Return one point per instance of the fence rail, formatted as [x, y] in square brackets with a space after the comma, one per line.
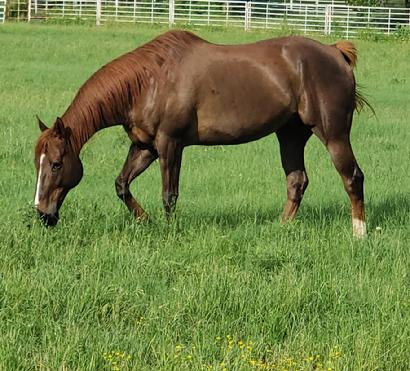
[2, 10]
[302, 15]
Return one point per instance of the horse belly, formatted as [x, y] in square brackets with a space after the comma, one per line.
[238, 103]
[232, 130]
[240, 118]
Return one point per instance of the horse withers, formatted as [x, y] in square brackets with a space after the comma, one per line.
[180, 90]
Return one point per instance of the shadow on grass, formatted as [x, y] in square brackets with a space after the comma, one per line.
[390, 210]
[393, 210]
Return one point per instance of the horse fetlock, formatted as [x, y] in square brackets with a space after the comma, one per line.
[297, 184]
[170, 201]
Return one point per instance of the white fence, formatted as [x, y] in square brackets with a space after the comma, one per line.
[307, 17]
[2, 10]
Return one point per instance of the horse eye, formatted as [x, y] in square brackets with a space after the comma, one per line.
[55, 166]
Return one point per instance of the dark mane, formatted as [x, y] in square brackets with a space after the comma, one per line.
[109, 93]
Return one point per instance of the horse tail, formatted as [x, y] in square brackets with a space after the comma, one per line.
[349, 52]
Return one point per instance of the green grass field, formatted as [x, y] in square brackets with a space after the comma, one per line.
[224, 286]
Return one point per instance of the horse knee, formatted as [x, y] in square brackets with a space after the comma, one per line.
[297, 182]
[121, 188]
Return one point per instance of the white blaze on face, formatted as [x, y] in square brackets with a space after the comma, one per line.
[359, 228]
[37, 198]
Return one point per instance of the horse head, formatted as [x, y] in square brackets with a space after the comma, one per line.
[59, 169]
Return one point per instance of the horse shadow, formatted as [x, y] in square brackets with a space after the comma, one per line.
[391, 209]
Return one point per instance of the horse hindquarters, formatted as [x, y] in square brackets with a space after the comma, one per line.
[327, 106]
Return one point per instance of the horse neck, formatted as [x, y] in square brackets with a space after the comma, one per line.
[85, 119]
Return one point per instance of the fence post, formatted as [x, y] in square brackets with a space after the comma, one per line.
[171, 19]
[29, 11]
[247, 15]
[368, 17]
[227, 14]
[266, 15]
[328, 19]
[134, 10]
[3, 16]
[347, 21]
[116, 9]
[388, 22]
[306, 13]
[98, 13]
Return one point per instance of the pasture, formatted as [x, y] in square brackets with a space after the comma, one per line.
[224, 286]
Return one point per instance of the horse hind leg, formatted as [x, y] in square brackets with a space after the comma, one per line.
[353, 178]
[328, 110]
[334, 132]
[292, 140]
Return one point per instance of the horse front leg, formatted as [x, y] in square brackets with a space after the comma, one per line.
[170, 157]
[292, 140]
[137, 161]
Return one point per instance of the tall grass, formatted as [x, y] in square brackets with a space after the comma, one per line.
[224, 286]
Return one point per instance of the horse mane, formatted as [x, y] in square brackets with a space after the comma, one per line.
[111, 91]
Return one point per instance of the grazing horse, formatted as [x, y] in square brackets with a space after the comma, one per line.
[179, 90]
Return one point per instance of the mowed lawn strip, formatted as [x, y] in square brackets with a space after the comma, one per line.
[224, 286]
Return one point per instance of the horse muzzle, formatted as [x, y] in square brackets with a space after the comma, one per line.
[49, 220]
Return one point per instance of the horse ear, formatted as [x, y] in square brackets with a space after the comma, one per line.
[59, 128]
[41, 124]
[63, 132]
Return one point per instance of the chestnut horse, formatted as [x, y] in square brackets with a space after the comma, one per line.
[180, 90]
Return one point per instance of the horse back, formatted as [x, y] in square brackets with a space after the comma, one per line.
[232, 94]
[227, 94]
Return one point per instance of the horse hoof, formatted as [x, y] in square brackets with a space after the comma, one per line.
[143, 218]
